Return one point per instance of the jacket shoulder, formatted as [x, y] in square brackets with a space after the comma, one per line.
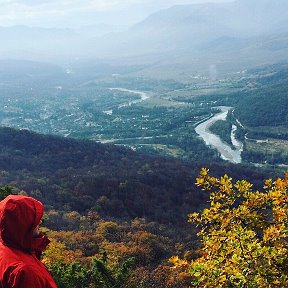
[21, 270]
[25, 275]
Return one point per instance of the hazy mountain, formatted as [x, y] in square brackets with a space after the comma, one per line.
[30, 72]
[189, 26]
[100, 29]
[186, 38]
[23, 42]
[205, 35]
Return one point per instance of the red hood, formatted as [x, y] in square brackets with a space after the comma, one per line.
[19, 216]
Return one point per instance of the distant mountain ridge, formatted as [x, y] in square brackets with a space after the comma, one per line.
[188, 34]
[37, 43]
[229, 36]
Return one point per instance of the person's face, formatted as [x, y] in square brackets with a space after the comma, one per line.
[36, 231]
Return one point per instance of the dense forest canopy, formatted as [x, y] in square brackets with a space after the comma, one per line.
[264, 106]
[115, 216]
[113, 180]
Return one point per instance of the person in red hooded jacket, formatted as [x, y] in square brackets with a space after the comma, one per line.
[21, 244]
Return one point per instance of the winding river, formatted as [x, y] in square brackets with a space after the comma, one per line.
[144, 96]
[231, 154]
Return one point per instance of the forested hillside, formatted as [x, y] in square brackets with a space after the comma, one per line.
[118, 213]
[262, 109]
[112, 180]
[266, 103]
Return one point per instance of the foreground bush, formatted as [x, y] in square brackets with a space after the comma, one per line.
[94, 274]
[243, 235]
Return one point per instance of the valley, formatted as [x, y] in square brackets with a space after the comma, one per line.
[155, 133]
[156, 116]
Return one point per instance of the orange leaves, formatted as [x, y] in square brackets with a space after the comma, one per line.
[58, 252]
[280, 215]
[272, 233]
[281, 184]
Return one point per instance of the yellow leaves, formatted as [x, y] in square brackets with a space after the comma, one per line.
[193, 217]
[200, 181]
[177, 262]
[57, 252]
[276, 282]
[215, 206]
[225, 184]
[205, 181]
[217, 196]
[213, 180]
[222, 279]
[243, 186]
[255, 200]
[278, 198]
[204, 172]
[268, 184]
[272, 233]
[206, 212]
[281, 184]
[274, 195]
[280, 215]
[243, 234]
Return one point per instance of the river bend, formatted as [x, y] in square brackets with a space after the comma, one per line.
[231, 154]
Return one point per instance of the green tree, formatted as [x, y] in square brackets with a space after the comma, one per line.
[95, 272]
[5, 191]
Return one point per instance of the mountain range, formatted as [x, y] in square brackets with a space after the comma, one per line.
[195, 38]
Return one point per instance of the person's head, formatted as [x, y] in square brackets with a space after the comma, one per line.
[19, 220]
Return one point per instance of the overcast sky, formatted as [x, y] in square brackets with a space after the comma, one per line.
[77, 13]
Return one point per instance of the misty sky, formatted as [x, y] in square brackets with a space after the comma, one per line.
[77, 13]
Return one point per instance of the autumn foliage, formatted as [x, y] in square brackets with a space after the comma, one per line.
[242, 242]
[243, 234]
[106, 254]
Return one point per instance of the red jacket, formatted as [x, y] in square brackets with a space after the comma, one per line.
[19, 265]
